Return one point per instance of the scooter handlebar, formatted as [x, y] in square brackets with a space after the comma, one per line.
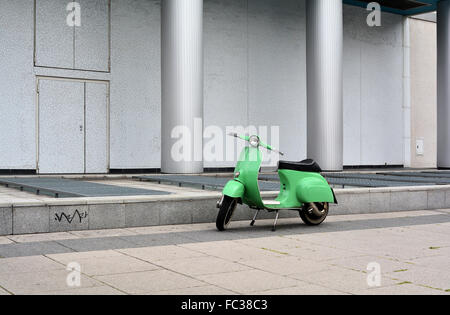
[246, 138]
[270, 148]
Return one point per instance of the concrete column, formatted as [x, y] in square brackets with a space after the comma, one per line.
[324, 44]
[443, 66]
[182, 86]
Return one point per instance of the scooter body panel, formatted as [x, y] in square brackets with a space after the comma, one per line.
[234, 189]
[298, 188]
[314, 188]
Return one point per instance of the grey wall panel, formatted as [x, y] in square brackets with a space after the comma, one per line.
[136, 84]
[352, 102]
[54, 37]
[277, 72]
[96, 127]
[226, 75]
[92, 38]
[17, 86]
[255, 69]
[373, 72]
[381, 106]
[61, 127]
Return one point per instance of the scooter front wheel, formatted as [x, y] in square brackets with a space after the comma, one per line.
[314, 214]
[226, 213]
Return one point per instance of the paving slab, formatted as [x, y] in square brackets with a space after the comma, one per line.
[32, 249]
[96, 244]
[42, 281]
[163, 239]
[102, 233]
[286, 265]
[92, 291]
[28, 264]
[99, 266]
[344, 280]
[428, 277]
[172, 228]
[201, 266]
[45, 237]
[157, 253]
[439, 262]
[361, 264]
[401, 289]
[75, 256]
[440, 228]
[231, 251]
[249, 281]
[196, 291]
[302, 288]
[150, 281]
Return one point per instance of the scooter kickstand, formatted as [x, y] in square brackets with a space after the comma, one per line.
[254, 218]
[275, 223]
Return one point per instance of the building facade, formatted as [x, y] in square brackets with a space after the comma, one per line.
[105, 92]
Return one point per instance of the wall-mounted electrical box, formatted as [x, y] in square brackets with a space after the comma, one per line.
[420, 147]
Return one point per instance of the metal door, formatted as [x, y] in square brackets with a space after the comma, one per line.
[97, 146]
[61, 127]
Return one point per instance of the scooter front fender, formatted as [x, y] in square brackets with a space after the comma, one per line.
[315, 189]
[234, 189]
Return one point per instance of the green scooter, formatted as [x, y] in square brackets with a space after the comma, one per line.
[302, 189]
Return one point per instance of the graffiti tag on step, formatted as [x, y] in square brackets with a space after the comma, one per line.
[71, 217]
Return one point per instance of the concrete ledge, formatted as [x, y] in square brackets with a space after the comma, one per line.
[6, 221]
[74, 214]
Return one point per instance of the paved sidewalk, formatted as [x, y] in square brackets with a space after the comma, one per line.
[412, 250]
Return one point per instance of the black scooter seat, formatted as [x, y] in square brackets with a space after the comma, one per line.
[304, 166]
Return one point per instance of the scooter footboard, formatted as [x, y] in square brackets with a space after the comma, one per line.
[315, 190]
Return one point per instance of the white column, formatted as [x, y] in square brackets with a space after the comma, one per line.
[182, 86]
[325, 87]
[443, 66]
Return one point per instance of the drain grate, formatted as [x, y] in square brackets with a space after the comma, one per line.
[66, 188]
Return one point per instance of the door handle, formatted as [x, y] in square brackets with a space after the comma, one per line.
[81, 128]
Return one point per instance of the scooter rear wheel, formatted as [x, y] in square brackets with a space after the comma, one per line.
[314, 214]
[226, 213]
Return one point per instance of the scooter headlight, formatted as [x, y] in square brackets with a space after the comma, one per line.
[254, 141]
